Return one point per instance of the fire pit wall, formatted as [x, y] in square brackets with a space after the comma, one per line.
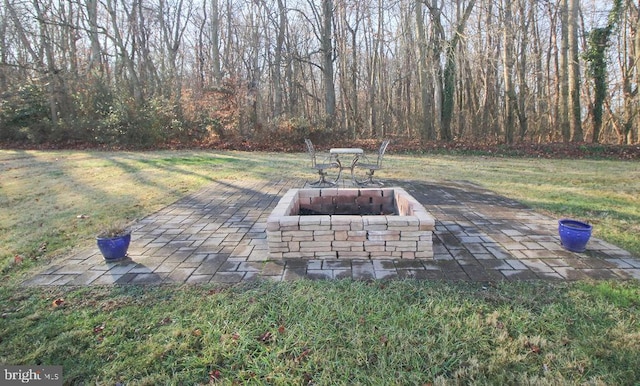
[350, 224]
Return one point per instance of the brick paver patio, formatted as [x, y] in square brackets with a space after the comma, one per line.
[218, 235]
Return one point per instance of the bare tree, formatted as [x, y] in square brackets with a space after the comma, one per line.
[625, 122]
[327, 61]
[46, 60]
[634, 69]
[348, 22]
[278, 58]
[95, 57]
[575, 115]
[215, 42]
[427, 130]
[123, 53]
[525, 13]
[172, 25]
[510, 105]
[565, 125]
[449, 73]
[4, 49]
[540, 111]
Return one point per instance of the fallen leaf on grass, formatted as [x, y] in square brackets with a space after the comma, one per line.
[302, 355]
[233, 337]
[59, 302]
[196, 332]
[533, 347]
[98, 329]
[281, 329]
[165, 321]
[266, 337]
[214, 375]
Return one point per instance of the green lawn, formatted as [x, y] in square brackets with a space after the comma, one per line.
[333, 332]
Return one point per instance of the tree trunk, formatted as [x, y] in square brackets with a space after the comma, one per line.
[565, 125]
[277, 61]
[449, 73]
[4, 17]
[215, 43]
[426, 127]
[635, 131]
[136, 88]
[510, 104]
[540, 114]
[490, 83]
[327, 62]
[575, 114]
[437, 41]
[553, 72]
[526, 16]
[381, 82]
[50, 70]
[95, 58]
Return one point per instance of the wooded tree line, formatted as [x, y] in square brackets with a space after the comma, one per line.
[144, 71]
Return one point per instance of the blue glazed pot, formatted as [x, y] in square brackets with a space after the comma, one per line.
[114, 248]
[574, 234]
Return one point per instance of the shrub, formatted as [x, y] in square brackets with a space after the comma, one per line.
[24, 114]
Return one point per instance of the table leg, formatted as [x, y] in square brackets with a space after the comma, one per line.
[353, 168]
[339, 169]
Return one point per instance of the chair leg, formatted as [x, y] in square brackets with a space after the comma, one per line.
[369, 180]
[322, 180]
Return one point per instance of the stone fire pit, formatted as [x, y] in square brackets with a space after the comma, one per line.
[350, 224]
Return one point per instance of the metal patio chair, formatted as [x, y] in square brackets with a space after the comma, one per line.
[373, 166]
[320, 167]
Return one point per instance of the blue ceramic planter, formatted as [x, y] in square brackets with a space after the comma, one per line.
[114, 248]
[574, 234]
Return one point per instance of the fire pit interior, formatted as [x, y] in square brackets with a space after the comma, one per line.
[350, 224]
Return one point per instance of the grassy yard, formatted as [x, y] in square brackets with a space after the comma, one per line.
[342, 332]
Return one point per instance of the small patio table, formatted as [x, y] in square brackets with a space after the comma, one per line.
[338, 152]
